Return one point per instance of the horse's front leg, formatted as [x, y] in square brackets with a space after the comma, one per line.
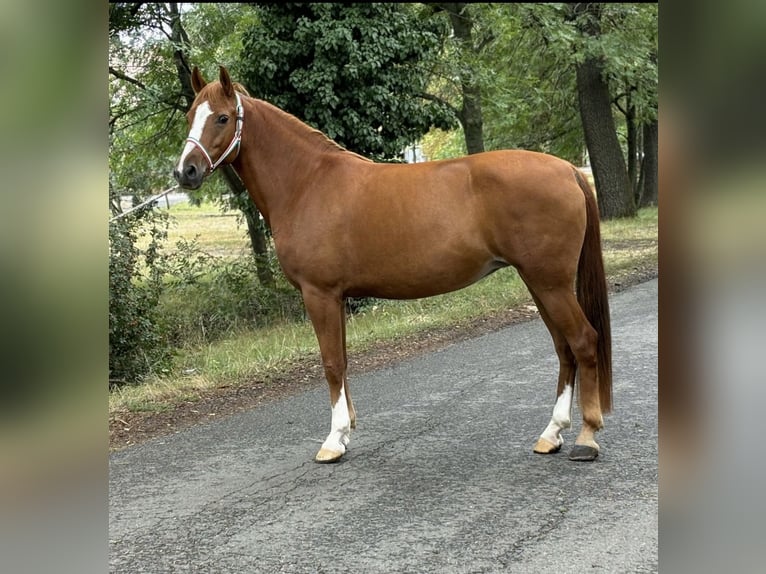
[327, 316]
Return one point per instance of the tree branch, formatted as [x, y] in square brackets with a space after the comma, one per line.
[114, 118]
[172, 102]
[123, 76]
[439, 100]
[616, 102]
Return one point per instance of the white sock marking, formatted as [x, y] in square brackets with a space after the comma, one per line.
[201, 115]
[561, 419]
[340, 431]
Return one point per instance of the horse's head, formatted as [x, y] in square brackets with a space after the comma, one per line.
[215, 121]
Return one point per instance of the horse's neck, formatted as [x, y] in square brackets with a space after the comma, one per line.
[277, 156]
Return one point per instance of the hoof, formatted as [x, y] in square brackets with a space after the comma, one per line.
[544, 446]
[325, 455]
[583, 453]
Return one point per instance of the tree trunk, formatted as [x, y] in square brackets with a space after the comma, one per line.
[614, 189]
[115, 207]
[255, 229]
[615, 194]
[181, 41]
[649, 167]
[471, 118]
[470, 114]
[634, 165]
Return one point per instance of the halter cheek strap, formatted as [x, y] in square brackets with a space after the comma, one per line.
[234, 142]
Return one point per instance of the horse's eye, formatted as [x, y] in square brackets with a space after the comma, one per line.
[223, 119]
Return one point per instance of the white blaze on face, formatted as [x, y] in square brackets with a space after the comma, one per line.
[201, 115]
[561, 418]
[341, 425]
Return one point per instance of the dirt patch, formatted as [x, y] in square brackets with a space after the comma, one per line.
[130, 428]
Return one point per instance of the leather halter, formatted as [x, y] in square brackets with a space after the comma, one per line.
[234, 142]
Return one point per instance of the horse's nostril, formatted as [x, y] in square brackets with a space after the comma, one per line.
[176, 174]
[190, 171]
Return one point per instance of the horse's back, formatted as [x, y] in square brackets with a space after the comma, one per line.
[518, 202]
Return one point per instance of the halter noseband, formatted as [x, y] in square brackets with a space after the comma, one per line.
[234, 142]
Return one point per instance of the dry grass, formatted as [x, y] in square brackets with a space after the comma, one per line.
[217, 233]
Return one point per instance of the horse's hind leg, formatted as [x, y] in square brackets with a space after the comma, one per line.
[327, 316]
[566, 315]
[550, 440]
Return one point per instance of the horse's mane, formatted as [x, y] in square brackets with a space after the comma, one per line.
[315, 133]
[241, 89]
[217, 96]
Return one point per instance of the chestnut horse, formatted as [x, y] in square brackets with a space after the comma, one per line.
[344, 226]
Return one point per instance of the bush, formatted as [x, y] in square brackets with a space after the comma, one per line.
[136, 345]
[159, 301]
[206, 298]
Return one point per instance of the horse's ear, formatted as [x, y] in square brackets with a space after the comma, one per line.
[198, 82]
[228, 87]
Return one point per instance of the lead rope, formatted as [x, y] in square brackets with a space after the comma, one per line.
[152, 199]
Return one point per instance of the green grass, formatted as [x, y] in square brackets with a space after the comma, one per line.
[248, 353]
[631, 242]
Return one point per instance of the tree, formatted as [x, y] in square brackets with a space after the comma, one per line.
[629, 37]
[466, 73]
[531, 100]
[615, 194]
[150, 90]
[650, 165]
[356, 72]
[240, 198]
[145, 104]
[523, 59]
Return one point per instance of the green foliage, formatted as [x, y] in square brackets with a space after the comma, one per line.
[146, 124]
[136, 345]
[127, 16]
[526, 70]
[160, 301]
[439, 144]
[356, 72]
[530, 99]
[628, 45]
[205, 298]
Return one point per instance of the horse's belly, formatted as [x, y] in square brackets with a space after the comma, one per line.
[412, 278]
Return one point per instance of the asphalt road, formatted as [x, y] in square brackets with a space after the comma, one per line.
[440, 476]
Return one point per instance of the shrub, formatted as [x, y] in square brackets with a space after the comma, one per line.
[136, 345]
[207, 297]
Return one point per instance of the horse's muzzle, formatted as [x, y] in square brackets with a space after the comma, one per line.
[190, 177]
